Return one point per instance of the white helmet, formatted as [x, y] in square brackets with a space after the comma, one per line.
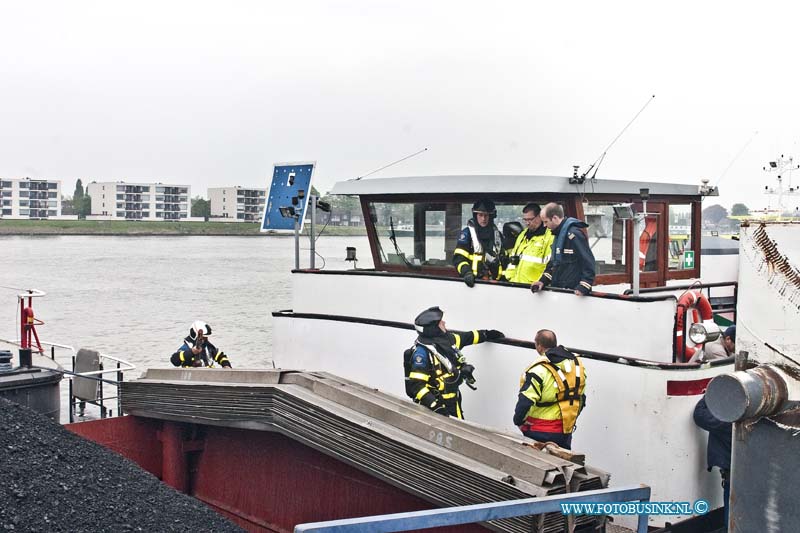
[202, 327]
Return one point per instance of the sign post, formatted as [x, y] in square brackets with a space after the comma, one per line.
[288, 196]
[287, 201]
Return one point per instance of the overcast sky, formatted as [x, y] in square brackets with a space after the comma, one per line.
[215, 93]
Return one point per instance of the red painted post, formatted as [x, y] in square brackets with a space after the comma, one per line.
[174, 463]
[23, 323]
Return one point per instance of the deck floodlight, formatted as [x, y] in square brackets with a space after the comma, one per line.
[624, 211]
[706, 331]
[351, 256]
[287, 212]
[644, 194]
[323, 206]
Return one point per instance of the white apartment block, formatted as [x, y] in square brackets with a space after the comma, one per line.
[139, 201]
[245, 205]
[27, 198]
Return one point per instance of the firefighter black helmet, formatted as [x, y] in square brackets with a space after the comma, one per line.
[484, 205]
[429, 317]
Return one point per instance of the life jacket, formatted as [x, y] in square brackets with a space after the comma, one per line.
[490, 257]
[561, 237]
[569, 382]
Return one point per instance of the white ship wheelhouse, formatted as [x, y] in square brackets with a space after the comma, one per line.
[638, 423]
[439, 207]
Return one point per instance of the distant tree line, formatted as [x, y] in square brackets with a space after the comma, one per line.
[716, 215]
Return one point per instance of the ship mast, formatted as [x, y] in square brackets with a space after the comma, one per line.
[783, 167]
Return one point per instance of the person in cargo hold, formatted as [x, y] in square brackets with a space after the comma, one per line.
[435, 367]
[724, 346]
[196, 350]
[551, 393]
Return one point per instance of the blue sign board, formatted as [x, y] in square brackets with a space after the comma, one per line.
[288, 195]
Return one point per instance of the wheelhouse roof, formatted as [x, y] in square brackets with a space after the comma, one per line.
[505, 184]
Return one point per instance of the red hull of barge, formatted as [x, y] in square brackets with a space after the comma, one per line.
[262, 481]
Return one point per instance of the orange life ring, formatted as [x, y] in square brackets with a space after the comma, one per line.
[701, 310]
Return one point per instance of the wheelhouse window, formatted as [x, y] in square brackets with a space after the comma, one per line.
[680, 236]
[412, 235]
[419, 234]
[607, 235]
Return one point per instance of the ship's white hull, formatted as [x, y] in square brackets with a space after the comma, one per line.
[631, 427]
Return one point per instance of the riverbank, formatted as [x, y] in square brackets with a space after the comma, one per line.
[137, 228]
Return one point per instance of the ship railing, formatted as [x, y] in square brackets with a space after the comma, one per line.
[723, 307]
[88, 378]
[483, 512]
[720, 304]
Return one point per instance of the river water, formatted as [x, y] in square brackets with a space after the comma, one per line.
[135, 297]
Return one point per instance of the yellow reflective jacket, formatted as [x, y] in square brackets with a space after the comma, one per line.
[534, 254]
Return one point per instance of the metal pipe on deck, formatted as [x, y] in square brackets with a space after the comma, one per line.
[747, 394]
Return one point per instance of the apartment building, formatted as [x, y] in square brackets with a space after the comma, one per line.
[346, 219]
[139, 201]
[242, 204]
[29, 198]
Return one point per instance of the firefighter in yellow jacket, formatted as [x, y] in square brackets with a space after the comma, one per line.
[551, 394]
[531, 252]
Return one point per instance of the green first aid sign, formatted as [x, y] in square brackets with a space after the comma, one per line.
[688, 259]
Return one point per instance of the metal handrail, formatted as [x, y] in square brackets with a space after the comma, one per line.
[483, 512]
[685, 287]
[96, 375]
[128, 366]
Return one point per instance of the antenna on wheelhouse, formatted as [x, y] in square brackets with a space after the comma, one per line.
[391, 164]
[578, 180]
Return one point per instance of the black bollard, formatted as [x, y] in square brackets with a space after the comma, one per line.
[25, 358]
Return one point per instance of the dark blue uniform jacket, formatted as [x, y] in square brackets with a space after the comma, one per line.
[719, 436]
[572, 262]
